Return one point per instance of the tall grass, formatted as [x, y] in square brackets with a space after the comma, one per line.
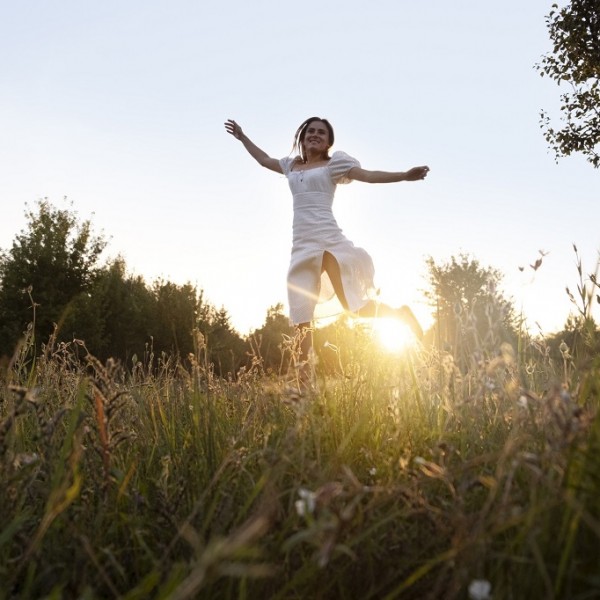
[405, 476]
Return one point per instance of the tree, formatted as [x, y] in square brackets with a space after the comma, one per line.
[51, 262]
[115, 316]
[269, 342]
[50, 278]
[226, 350]
[575, 34]
[176, 318]
[471, 314]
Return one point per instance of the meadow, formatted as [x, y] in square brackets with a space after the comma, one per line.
[405, 475]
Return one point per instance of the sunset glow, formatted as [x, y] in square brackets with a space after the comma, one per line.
[393, 335]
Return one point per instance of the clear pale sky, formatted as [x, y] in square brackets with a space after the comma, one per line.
[119, 106]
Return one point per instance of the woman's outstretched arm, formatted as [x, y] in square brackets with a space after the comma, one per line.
[259, 155]
[414, 174]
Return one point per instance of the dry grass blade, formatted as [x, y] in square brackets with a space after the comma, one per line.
[221, 558]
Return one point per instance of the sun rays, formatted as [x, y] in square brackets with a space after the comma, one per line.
[392, 334]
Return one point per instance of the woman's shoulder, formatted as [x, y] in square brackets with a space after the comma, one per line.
[338, 154]
[339, 165]
[341, 156]
[289, 162]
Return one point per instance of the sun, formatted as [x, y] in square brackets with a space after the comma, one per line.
[393, 335]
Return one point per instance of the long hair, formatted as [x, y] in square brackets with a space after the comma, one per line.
[301, 134]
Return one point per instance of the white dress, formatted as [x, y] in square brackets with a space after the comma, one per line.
[316, 231]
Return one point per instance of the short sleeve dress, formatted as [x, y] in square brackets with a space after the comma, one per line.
[316, 231]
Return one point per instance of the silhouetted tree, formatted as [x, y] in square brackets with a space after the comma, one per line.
[271, 343]
[115, 316]
[575, 60]
[50, 276]
[123, 318]
[129, 313]
[52, 261]
[227, 350]
[471, 314]
[176, 318]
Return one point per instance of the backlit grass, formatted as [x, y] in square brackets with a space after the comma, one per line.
[404, 476]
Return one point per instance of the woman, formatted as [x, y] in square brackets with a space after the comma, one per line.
[319, 250]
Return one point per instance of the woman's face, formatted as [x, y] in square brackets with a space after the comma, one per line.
[316, 138]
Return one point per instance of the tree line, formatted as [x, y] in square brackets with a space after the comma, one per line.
[53, 286]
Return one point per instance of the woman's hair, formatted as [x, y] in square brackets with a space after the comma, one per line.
[301, 134]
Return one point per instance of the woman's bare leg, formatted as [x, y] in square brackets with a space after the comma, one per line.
[372, 309]
[331, 266]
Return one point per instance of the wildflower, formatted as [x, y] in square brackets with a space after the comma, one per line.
[564, 350]
[479, 589]
[300, 508]
[489, 384]
[373, 471]
[307, 503]
[530, 457]
[522, 401]
[24, 459]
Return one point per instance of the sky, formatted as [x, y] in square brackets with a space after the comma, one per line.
[119, 108]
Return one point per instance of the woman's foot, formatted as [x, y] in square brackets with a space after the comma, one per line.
[409, 318]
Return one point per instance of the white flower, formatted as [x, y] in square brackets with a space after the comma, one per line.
[522, 401]
[372, 471]
[307, 503]
[530, 457]
[489, 384]
[300, 507]
[480, 589]
[24, 459]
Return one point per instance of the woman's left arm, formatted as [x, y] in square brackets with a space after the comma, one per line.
[414, 174]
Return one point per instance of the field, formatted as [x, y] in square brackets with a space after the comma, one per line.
[405, 475]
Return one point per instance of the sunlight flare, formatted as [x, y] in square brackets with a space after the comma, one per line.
[392, 334]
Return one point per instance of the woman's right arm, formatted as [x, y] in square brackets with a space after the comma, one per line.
[259, 155]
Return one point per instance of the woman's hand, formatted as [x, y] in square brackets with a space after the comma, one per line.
[257, 154]
[234, 129]
[417, 173]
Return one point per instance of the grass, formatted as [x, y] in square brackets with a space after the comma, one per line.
[404, 477]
